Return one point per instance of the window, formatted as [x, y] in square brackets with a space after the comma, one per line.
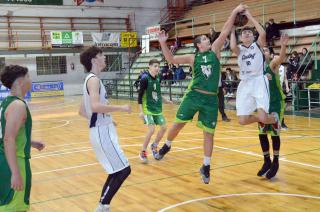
[51, 65]
[113, 62]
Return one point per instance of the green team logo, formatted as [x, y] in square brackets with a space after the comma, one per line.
[206, 70]
[155, 96]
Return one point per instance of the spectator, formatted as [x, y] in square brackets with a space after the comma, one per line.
[179, 73]
[305, 63]
[269, 37]
[164, 72]
[230, 82]
[177, 44]
[274, 29]
[221, 101]
[213, 35]
[293, 65]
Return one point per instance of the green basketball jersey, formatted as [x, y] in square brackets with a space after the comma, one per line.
[275, 88]
[23, 139]
[206, 72]
[152, 99]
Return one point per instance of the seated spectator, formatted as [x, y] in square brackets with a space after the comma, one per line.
[164, 72]
[230, 83]
[306, 62]
[274, 29]
[293, 65]
[180, 75]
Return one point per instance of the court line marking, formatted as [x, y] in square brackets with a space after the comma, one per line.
[237, 195]
[54, 106]
[55, 127]
[88, 148]
[186, 149]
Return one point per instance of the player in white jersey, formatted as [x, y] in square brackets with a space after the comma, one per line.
[252, 92]
[103, 135]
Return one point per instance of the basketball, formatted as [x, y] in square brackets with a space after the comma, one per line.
[240, 20]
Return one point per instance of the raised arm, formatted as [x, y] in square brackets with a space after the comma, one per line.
[278, 60]
[262, 33]
[182, 59]
[225, 31]
[93, 85]
[233, 42]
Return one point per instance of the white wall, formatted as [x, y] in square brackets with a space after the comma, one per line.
[73, 79]
[147, 12]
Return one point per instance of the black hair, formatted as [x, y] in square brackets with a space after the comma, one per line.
[10, 73]
[87, 55]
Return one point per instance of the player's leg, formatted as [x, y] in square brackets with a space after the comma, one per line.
[15, 200]
[185, 113]
[264, 143]
[151, 128]
[276, 142]
[111, 187]
[159, 120]
[207, 120]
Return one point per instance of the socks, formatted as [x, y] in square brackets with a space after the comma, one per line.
[168, 143]
[206, 161]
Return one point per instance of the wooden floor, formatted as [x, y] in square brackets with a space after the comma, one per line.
[67, 177]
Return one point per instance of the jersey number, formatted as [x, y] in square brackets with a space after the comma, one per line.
[205, 59]
[248, 63]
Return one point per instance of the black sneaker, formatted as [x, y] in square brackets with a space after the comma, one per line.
[273, 170]
[164, 150]
[225, 118]
[205, 173]
[284, 127]
[265, 167]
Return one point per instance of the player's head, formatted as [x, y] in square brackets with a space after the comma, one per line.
[202, 43]
[16, 77]
[154, 67]
[247, 36]
[92, 58]
[268, 52]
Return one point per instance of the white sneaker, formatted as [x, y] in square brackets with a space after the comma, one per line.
[102, 208]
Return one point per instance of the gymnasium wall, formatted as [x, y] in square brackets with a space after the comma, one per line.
[73, 79]
[147, 12]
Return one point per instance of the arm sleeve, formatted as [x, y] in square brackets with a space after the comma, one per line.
[143, 87]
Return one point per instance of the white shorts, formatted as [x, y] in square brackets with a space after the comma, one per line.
[105, 144]
[252, 94]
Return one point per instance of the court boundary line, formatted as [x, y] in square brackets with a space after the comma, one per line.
[237, 195]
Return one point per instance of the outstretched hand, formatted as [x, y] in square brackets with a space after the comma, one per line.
[163, 36]
[284, 39]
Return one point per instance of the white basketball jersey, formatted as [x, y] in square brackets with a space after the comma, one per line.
[250, 61]
[95, 119]
[281, 73]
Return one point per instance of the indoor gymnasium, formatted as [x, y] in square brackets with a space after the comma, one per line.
[159, 105]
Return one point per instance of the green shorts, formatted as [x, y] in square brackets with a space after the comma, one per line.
[277, 107]
[10, 200]
[154, 120]
[206, 105]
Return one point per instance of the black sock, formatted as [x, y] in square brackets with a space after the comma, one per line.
[113, 184]
[264, 142]
[275, 146]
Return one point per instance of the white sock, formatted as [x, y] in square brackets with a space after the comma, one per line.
[168, 143]
[206, 160]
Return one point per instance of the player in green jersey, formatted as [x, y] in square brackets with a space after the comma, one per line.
[276, 105]
[201, 95]
[15, 141]
[150, 104]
